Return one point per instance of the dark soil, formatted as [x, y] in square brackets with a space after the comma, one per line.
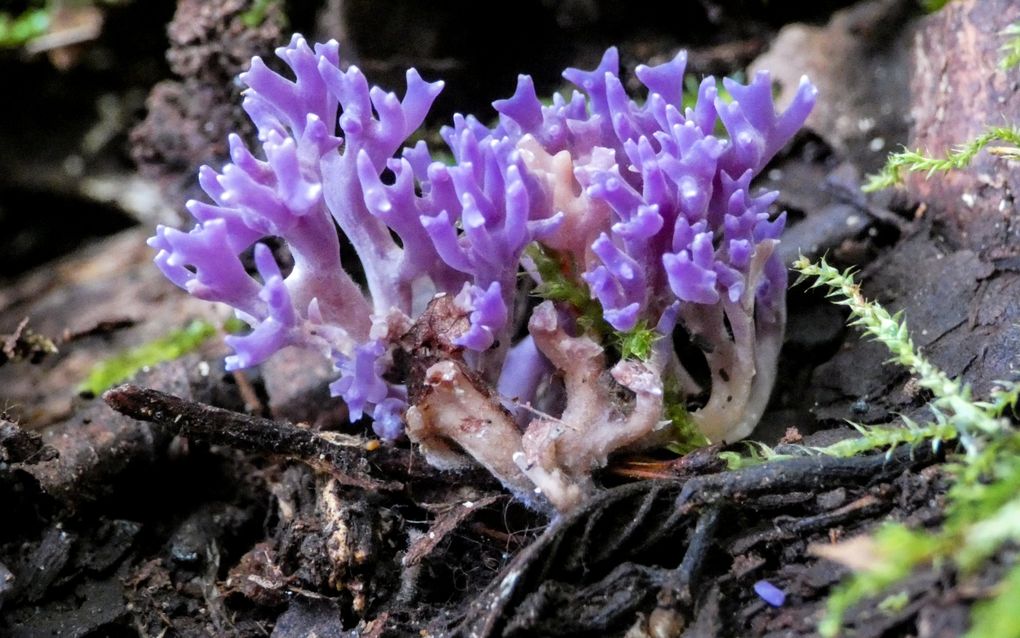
[197, 502]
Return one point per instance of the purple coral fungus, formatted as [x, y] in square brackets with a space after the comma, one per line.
[647, 213]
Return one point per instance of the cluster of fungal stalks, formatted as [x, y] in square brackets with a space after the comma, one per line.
[634, 222]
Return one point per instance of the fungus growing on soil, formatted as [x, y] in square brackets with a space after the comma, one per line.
[634, 222]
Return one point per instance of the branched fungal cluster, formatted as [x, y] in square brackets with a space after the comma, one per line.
[638, 210]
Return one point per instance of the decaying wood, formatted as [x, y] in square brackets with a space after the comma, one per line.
[343, 457]
[957, 90]
[25, 345]
[20, 446]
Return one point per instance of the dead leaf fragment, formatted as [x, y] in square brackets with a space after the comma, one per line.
[860, 553]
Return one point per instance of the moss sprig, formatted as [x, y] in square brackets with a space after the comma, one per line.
[686, 435]
[122, 366]
[931, 6]
[18, 30]
[637, 342]
[960, 157]
[983, 504]
[1011, 48]
[561, 283]
[952, 399]
[997, 616]
[889, 437]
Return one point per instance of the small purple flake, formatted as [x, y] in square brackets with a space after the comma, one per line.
[770, 593]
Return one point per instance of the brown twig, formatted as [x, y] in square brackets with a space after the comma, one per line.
[25, 345]
[99, 329]
[343, 460]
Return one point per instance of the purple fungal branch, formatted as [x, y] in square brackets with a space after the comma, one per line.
[648, 206]
[665, 223]
[309, 182]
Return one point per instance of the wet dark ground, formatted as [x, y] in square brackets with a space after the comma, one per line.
[205, 513]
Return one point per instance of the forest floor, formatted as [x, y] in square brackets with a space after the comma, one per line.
[244, 504]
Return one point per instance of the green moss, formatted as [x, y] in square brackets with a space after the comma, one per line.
[894, 602]
[931, 6]
[960, 157]
[1000, 616]
[952, 403]
[983, 504]
[756, 454]
[887, 437]
[559, 283]
[562, 283]
[1011, 48]
[234, 326]
[18, 30]
[257, 14]
[109, 372]
[637, 342]
[686, 435]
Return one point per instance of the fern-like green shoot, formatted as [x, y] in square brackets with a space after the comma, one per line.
[983, 504]
[1011, 48]
[960, 157]
[18, 30]
[952, 398]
